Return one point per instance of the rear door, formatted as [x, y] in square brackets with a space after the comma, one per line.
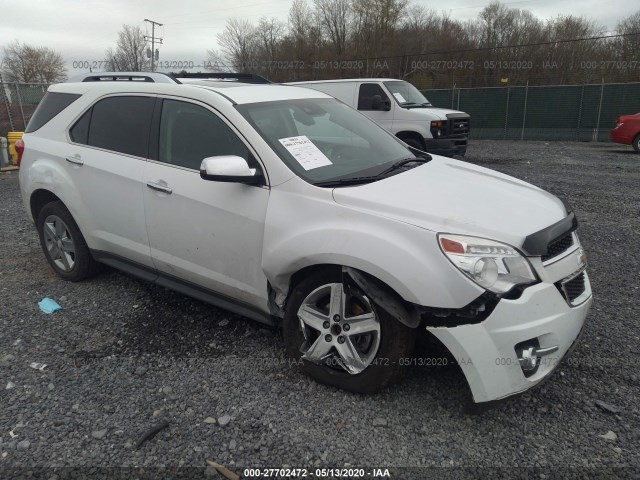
[207, 234]
[106, 157]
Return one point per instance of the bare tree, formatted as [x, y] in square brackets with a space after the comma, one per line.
[215, 61]
[299, 21]
[269, 35]
[130, 54]
[402, 39]
[626, 49]
[26, 64]
[376, 24]
[334, 18]
[239, 42]
[570, 55]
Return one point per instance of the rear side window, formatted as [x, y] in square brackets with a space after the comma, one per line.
[120, 124]
[51, 105]
[79, 133]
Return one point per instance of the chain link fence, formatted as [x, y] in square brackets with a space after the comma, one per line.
[566, 112]
[18, 101]
[555, 112]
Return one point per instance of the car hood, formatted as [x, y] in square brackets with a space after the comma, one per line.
[430, 112]
[446, 195]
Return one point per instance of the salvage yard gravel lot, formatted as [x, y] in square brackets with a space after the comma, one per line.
[125, 355]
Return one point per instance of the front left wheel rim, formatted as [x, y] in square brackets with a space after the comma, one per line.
[341, 330]
[59, 243]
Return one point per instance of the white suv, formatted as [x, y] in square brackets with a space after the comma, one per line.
[289, 207]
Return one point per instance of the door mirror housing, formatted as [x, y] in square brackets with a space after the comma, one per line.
[229, 168]
[378, 104]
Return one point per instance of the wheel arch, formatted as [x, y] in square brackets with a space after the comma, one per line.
[380, 292]
[39, 198]
[408, 134]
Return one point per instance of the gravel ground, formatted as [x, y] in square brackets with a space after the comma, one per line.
[124, 355]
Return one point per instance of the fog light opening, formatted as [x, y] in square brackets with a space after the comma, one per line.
[530, 353]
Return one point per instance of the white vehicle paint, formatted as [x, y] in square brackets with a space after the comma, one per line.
[421, 125]
[411, 240]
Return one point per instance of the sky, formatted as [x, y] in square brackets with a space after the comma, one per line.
[81, 31]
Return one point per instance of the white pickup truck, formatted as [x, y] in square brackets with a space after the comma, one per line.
[410, 116]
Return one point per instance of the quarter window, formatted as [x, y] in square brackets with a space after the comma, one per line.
[190, 133]
[51, 105]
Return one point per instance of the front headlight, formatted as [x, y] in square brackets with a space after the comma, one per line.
[492, 265]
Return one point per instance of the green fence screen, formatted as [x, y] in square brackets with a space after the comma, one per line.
[569, 112]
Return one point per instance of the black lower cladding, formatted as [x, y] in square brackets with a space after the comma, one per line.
[475, 312]
[182, 286]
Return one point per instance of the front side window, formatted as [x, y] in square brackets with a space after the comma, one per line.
[190, 133]
[324, 139]
[367, 92]
[119, 124]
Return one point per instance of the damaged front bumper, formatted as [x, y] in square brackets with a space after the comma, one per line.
[540, 322]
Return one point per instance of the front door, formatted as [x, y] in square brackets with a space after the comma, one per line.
[206, 233]
[366, 104]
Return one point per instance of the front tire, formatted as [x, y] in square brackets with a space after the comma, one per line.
[341, 338]
[636, 143]
[63, 245]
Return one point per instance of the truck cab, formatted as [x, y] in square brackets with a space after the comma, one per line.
[401, 109]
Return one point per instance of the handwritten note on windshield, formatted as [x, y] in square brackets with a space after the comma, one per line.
[305, 152]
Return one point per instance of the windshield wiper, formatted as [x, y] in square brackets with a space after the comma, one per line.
[341, 182]
[413, 105]
[401, 163]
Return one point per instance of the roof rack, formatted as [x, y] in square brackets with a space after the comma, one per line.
[223, 76]
[152, 77]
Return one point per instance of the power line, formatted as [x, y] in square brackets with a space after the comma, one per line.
[500, 47]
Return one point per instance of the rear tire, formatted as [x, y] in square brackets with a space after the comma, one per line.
[63, 245]
[331, 352]
[636, 143]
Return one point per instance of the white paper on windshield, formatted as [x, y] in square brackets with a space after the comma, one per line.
[305, 152]
[399, 97]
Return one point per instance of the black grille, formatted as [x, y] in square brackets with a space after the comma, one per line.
[459, 127]
[558, 246]
[574, 288]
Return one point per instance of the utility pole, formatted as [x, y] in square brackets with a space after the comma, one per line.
[153, 41]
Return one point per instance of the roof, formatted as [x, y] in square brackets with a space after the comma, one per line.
[239, 94]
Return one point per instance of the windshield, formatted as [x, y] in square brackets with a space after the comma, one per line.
[407, 95]
[323, 139]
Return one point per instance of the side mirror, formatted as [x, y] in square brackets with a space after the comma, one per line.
[229, 168]
[378, 104]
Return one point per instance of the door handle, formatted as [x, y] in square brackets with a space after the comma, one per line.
[75, 159]
[159, 187]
